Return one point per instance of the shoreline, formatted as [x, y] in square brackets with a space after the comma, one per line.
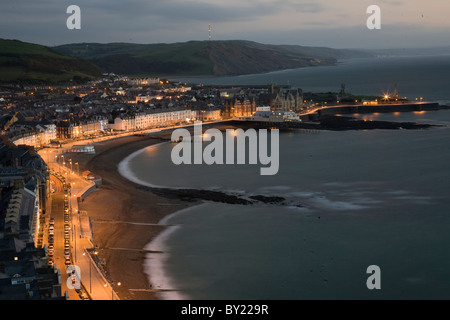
[121, 209]
[154, 267]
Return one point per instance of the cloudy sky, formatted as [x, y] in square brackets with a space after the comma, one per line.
[338, 24]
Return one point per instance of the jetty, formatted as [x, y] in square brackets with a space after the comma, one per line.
[329, 117]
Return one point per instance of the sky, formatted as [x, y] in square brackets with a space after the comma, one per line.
[336, 24]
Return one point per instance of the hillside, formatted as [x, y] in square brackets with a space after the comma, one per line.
[32, 63]
[218, 58]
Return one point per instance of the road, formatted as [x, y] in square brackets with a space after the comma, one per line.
[93, 282]
[59, 198]
[64, 204]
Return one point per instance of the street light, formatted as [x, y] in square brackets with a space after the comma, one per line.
[90, 271]
[112, 288]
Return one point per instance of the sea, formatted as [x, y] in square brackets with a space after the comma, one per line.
[354, 199]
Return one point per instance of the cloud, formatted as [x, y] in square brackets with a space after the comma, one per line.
[309, 7]
[320, 22]
[394, 3]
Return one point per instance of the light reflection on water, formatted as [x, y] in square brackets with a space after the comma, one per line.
[373, 197]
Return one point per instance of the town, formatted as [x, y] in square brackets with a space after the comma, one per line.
[37, 118]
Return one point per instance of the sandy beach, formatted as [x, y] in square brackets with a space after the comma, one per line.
[124, 217]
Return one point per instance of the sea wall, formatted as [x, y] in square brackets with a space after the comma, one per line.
[87, 192]
[381, 108]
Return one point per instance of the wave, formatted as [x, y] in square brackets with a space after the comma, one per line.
[155, 263]
[125, 171]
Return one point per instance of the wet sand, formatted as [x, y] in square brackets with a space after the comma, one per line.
[125, 216]
[114, 210]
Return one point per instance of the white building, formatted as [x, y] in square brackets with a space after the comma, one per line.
[153, 119]
[127, 123]
[42, 135]
[143, 81]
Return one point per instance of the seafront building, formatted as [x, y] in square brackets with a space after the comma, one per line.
[153, 119]
[79, 129]
[33, 134]
[35, 117]
[238, 107]
[285, 100]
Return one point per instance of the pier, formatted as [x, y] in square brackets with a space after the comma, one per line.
[316, 113]
[312, 119]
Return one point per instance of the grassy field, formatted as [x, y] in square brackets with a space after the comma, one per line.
[26, 62]
[188, 58]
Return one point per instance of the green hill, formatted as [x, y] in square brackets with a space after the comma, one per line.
[32, 63]
[194, 58]
[139, 59]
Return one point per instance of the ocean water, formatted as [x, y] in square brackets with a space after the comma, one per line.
[354, 199]
[415, 77]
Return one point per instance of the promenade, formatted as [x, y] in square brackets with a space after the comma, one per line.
[93, 281]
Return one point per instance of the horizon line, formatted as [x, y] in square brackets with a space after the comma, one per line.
[241, 40]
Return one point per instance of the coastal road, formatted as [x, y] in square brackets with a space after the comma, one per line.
[57, 212]
[97, 287]
[92, 279]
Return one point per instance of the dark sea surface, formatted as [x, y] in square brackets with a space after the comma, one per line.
[415, 77]
[378, 197]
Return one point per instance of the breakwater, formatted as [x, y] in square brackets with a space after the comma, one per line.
[381, 108]
[328, 118]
